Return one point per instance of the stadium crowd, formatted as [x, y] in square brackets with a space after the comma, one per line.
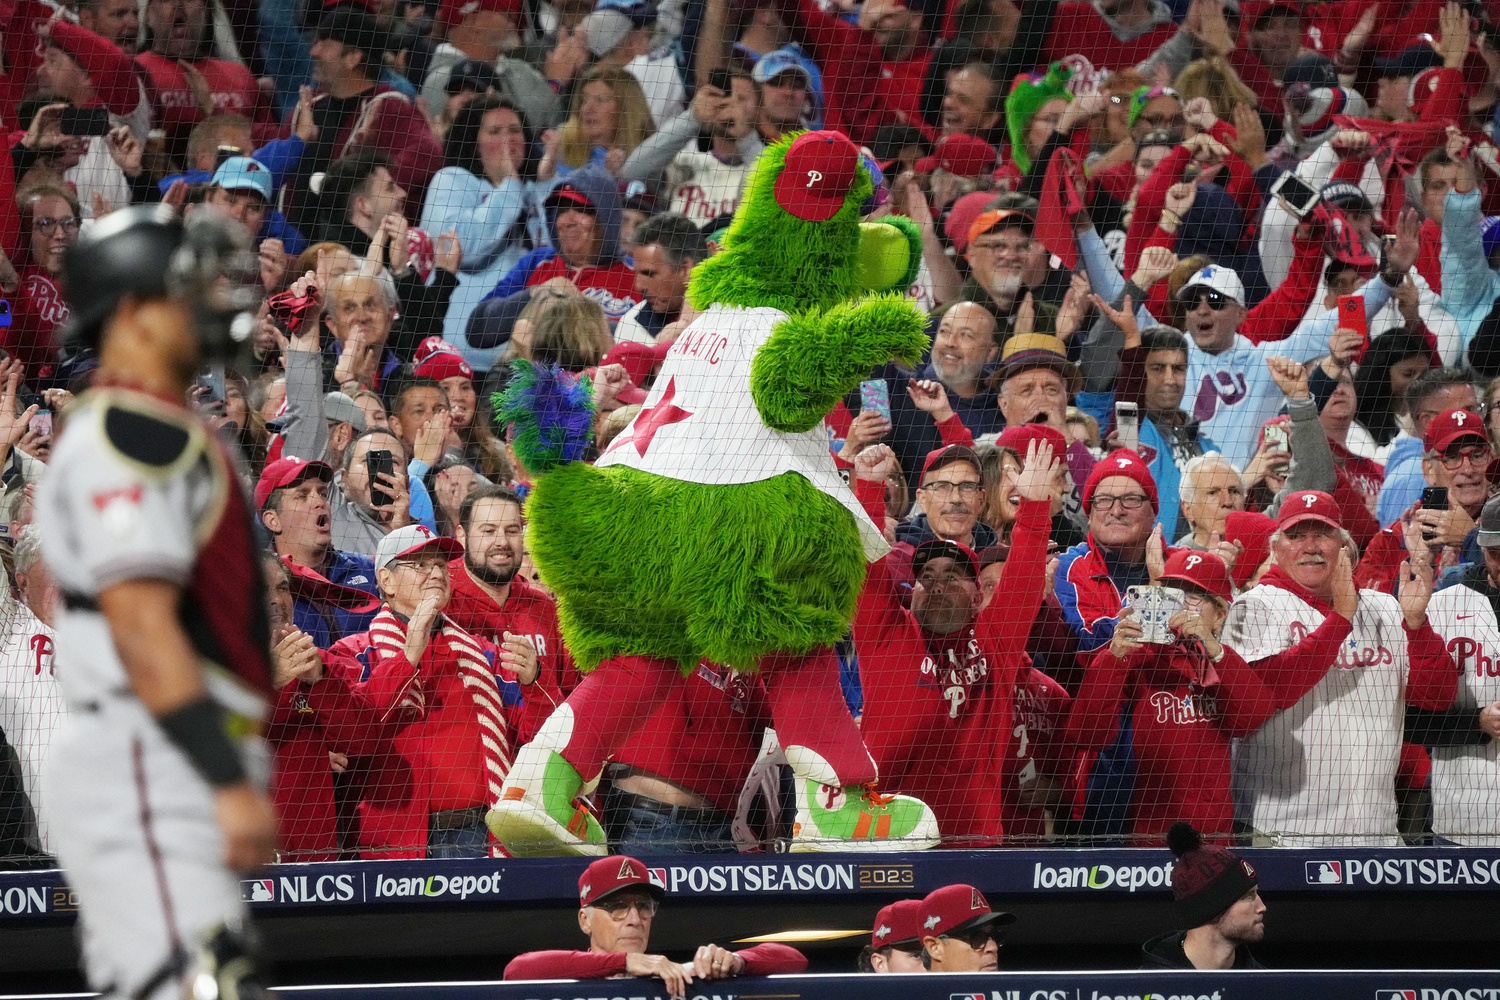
[1231, 258]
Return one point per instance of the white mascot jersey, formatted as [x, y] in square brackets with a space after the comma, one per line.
[1323, 772]
[700, 424]
[1466, 780]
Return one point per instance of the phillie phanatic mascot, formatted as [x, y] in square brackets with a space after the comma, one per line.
[716, 525]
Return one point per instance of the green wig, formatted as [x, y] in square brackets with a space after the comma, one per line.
[1027, 95]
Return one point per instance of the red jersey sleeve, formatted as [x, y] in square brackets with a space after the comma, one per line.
[1291, 673]
[1006, 623]
[772, 959]
[350, 722]
[1096, 709]
[566, 965]
[1432, 680]
[1245, 701]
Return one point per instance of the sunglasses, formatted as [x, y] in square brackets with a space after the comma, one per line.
[975, 939]
[1217, 301]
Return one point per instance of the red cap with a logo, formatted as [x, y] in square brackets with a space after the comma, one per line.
[287, 472]
[609, 875]
[960, 155]
[1308, 505]
[896, 925]
[440, 365]
[1451, 425]
[819, 170]
[1203, 570]
[957, 908]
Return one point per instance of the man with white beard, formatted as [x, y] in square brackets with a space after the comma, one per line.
[1000, 247]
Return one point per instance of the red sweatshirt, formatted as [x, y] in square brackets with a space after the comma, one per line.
[937, 714]
[1078, 28]
[612, 286]
[527, 611]
[1277, 316]
[1040, 752]
[1358, 479]
[306, 723]
[1152, 197]
[1185, 709]
[174, 105]
[862, 89]
[38, 311]
[767, 959]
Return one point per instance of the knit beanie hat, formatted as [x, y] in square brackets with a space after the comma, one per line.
[1028, 92]
[1206, 880]
[1121, 462]
[109, 69]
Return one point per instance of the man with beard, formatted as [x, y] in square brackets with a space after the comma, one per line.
[949, 387]
[490, 601]
[704, 183]
[1217, 899]
[1342, 664]
[1000, 246]
[938, 680]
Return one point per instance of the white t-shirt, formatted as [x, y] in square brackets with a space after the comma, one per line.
[1323, 772]
[1466, 780]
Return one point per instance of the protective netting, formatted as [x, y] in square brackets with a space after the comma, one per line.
[1211, 311]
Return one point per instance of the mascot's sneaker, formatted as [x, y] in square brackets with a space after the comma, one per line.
[856, 818]
[539, 814]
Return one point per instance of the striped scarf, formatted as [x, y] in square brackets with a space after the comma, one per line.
[451, 643]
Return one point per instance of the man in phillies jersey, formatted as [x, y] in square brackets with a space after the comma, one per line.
[1341, 664]
[617, 902]
[1465, 741]
[938, 679]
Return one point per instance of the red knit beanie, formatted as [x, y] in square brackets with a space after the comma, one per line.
[1120, 462]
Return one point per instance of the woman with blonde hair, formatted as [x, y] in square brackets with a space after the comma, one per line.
[608, 120]
[1217, 81]
[573, 334]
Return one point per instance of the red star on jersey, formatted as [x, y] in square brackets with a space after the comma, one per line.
[649, 421]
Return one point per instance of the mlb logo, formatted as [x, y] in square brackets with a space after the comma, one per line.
[1324, 872]
[1395, 995]
[967, 996]
[658, 877]
[259, 890]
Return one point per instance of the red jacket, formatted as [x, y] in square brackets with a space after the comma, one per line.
[1152, 197]
[1078, 28]
[1040, 751]
[612, 286]
[435, 758]
[527, 611]
[1358, 480]
[306, 723]
[862, 89]
[1186, 710]
[937, 711]
[38, 311]
[174, 105]
[767, 959]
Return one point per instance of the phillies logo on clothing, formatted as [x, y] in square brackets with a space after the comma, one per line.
[46, 299]
[41, 648]
[1463, 649]
[1308, 499]
[1218, 387]
[1185, 711]
[1193, 561]
[1353, 654]
[957, 678]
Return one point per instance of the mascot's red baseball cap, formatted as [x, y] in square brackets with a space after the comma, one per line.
[819, 171]
[896, 925]
[608, 876]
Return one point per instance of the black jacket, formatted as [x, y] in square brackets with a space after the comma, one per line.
[1165, 952]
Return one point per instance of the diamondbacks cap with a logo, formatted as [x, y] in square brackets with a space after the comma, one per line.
[1219, 278]
[611, 874]
[1206, 880]
[957, 908]
[1203, 570]
[820, 169]
[412, 539]
[1308, 505]
[1450, 426]
[896, 925]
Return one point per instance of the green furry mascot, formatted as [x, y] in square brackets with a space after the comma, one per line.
[716, 525]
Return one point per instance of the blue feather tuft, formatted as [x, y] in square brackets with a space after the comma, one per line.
[550, 414]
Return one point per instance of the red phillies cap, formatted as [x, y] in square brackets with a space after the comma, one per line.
[1450, 425]
[1252, 530]
[947, 455]
[452, 12]
[961, 155]
[430, 346]
[1308, 505]
[1018, 438]
[609, 875]
[897, 924]
[819, 170]
[1203, 570]
[445, 364]
[287, 472]
[955, 908]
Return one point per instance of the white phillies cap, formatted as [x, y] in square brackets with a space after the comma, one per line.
[1219, 278]
[412, 539]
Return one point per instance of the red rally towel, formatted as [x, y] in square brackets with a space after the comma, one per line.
[1060, 202]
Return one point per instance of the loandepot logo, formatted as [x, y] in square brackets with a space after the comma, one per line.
[445, 886]
[1126, 877]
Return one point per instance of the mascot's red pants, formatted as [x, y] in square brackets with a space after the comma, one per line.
[807, 710]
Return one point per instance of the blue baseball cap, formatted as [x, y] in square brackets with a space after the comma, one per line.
[243, 173]
[773, 64]
[1489, 232]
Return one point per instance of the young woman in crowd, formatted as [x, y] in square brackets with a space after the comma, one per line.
[49, 226]
[608, 119]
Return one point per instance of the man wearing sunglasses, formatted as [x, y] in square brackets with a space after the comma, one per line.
[617, 901]
[958, 930]
[1457, 455]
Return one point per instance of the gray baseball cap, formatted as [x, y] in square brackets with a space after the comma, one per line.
[342, 409]
[1489, 524]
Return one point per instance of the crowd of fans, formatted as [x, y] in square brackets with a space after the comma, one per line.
[1229, 258]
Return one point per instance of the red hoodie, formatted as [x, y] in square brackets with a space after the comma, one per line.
[1078, 28]
[938, 710]
[1185, 711]
[1040, 757]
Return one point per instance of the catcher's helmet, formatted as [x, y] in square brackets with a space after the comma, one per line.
[148, 252]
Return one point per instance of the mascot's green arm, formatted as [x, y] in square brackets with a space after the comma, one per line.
[813, 358]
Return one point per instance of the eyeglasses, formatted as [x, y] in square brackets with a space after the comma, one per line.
[1131, 501]
[1478, 456]
[943, 489]
[426, 565]
[1217, 301]
[1000, 249]
[975, 939]
[644, 905]
[45, 226]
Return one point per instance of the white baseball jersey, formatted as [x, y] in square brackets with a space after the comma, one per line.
[1323, 772]
[1466, 780]
[700, 423]
[31, 707]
